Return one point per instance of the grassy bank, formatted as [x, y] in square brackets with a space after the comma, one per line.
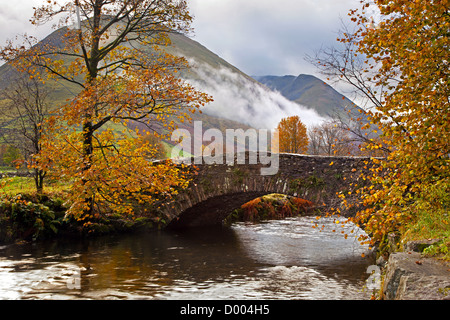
[431, 224]
[28, 216]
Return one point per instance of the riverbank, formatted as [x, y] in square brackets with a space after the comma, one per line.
[32, 217]
[412, 275]
[28, 217]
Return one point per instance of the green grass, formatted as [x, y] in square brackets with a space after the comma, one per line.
[430, 218]
[25, 185]
[433, 224]
[7, 169]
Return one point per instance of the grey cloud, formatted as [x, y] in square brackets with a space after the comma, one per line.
[258, 36]
[15, 20]
[268, 37]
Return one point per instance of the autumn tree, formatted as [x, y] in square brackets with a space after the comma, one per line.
[292, 136]
[112, 51]
[407, 46]
[345, 64]
[346, 136]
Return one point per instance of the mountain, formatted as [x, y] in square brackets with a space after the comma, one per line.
[237, 96]
[240, 101]
[312, 92]
[60, 92]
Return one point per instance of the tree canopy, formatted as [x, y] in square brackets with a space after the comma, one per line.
[292, 137]
[407, 46]
[114, 52]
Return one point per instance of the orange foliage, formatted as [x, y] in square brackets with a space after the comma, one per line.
[251, 209]
[292, 137]
[301, 204]
[119, 84]
[408, 48]
[262, 208]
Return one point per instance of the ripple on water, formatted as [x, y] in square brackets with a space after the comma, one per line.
[285, 259]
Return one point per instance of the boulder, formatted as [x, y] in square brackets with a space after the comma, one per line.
[411, 276]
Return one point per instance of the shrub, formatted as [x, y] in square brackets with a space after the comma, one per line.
[24, 219]
[274, 206]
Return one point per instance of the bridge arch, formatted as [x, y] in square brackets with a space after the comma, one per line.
[217, 189]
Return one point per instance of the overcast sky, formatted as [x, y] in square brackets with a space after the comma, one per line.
[260, 37]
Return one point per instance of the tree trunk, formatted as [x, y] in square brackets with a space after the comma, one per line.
[39, 176]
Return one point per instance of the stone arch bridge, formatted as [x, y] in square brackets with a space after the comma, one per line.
[217, 189]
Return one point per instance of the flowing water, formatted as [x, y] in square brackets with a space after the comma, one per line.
[283, 259]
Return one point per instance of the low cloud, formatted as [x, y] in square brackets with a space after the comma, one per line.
[239, 98]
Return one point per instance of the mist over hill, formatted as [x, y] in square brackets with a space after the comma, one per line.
[310, 91]
[239, 100]
[237, 96]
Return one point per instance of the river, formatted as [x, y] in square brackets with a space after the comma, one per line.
[282, 259]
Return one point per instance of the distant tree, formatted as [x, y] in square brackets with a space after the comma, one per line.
[365, 139]
[341, 137]
[292, 135]
[11, 156]
[329, 138]
[23, 111]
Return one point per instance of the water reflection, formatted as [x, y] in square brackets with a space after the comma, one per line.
[278, 259]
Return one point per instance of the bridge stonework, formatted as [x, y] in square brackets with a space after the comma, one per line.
[217, 189]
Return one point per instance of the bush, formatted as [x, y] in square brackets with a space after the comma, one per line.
[430, 218]
[24, 219]
[273, 206]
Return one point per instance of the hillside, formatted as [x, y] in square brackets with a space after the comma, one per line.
[312, 92]
[60, 92]
[237, 96]
[239, 100]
